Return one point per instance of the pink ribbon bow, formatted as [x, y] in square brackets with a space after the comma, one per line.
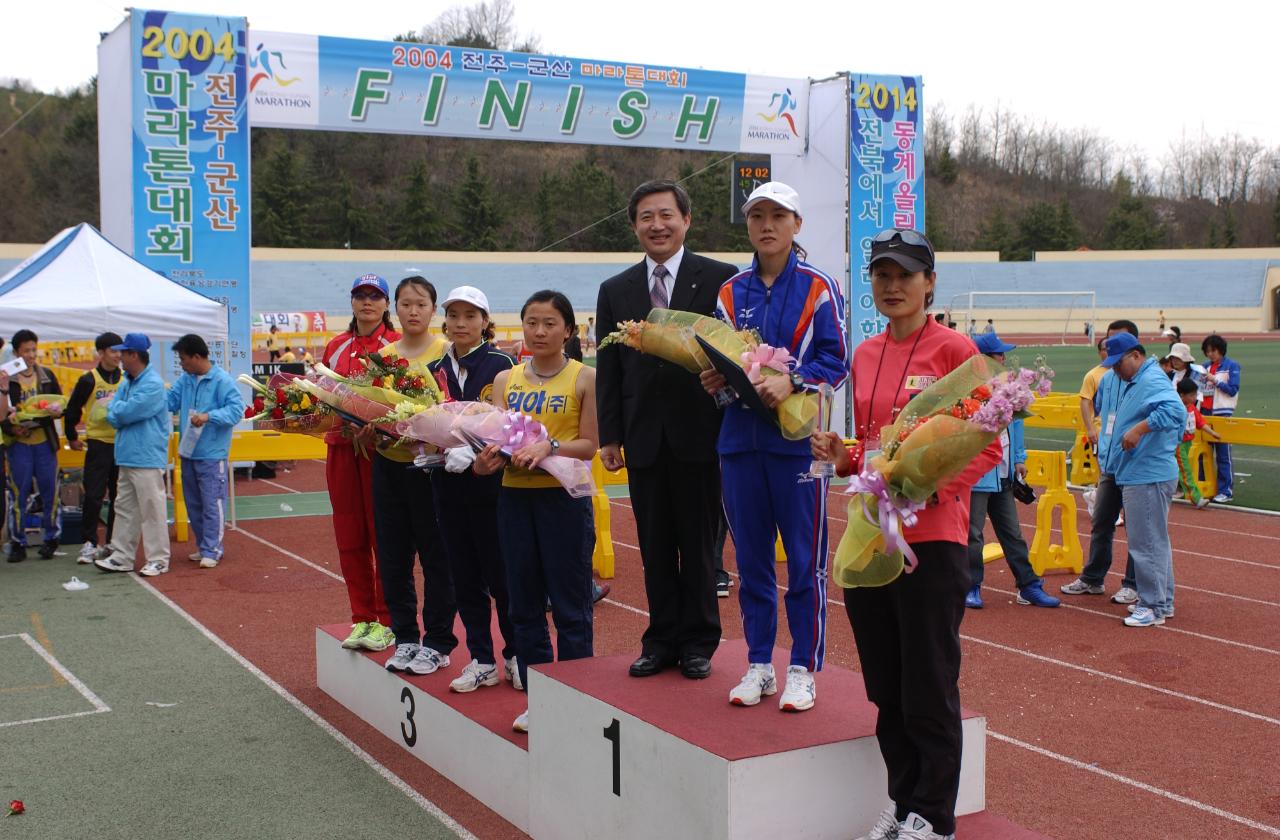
[520, 430]
[896, 513]
[764, 356]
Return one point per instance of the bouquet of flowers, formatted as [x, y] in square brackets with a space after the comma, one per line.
[939, 432]
[284, 405]
[40, 407]
[435, 425]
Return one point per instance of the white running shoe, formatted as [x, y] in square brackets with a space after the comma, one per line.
[474, 676]
[1144, 617]
[757, 681]
[886, 827]
[208, 562]
[152, 568]
[521, 724]
[427, 661]
[1125, 595]
[88, 553]
[1079, 587]
[512, 672]
[194, 557]
[800, 691]
[111, 563]
[916, 827]
[404, 654]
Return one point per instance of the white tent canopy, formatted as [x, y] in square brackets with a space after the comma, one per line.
[80, 285]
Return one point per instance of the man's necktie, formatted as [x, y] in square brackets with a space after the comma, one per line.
[658, 294]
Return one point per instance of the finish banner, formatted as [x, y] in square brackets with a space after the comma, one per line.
[340, 84]
[191, 160]
[886, 179]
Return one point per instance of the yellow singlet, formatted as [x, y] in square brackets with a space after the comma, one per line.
[553, 403]
[31, 388]
[96, 426]
[399, 452]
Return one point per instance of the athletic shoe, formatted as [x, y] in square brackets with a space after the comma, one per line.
[208, 562]
[1165, 614]
[111, 563]
[511, 671]
[1120, 520]
[358, 631]
[1079, 587]
[886, 827]
[974, 599]
[405, 652]
[800, 691]
[1203, 503]
[428, 661]
[88, 552]
[916, 827]
[723, 582]
[1144, 617]
[757, 681]
[599, 591]
[1222, 498]
[474, 676]
[152, 568]
[48, 549]
[521, 724]
[194, 557]
[1179, 495]
[1125, 595]
[17, 553]
[378, 638]
[1033, 594]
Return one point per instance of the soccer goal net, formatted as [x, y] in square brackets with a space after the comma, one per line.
[1034, 317]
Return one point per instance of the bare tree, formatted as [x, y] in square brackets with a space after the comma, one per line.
[489, 24]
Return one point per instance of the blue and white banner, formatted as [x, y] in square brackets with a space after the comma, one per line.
[886, 179]
[339, 84]
[191, 197]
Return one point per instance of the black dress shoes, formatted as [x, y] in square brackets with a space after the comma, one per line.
[647, 665]
[695, 667]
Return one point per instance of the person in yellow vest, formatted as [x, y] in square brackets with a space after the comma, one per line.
[273, 346]
[302, 355]
[89, 401]
[33, 456]
[546, 536]
[287, 356]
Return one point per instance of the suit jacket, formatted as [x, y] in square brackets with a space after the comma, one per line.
[642, 400]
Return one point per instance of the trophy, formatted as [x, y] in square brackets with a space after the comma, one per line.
[826, 399]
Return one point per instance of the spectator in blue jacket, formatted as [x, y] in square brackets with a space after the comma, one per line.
[1219, 393]
[993, 496]
[208, 405]
[1142, 420]
[142, 421]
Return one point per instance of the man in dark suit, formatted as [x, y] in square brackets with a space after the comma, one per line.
[668, 426]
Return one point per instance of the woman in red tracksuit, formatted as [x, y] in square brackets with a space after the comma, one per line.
[908, 632]
[350, 475]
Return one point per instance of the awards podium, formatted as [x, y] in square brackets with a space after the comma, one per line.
[608, 755]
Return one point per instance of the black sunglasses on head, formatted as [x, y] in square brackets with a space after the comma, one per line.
[907, 235]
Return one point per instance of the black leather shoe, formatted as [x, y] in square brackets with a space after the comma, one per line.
[695, 667]
[647, 665]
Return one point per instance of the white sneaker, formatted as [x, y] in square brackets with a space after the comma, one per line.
[916, 827]
[427, 661]
[1079, 587]
[88, 553]
[404, 654]
[208, 562]
[474, 676]
[800, 691]
[194, 557]
[1222, 499]
[886, 827]
[521, 724]
[152, 568]
[511, 671]
[757, 681]
[1125, 595]
[1144, 617]
[112, 563]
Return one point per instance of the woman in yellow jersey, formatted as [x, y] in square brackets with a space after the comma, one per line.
[545, 534]
[404, 518]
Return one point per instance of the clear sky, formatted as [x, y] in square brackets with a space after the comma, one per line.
[1138, 72]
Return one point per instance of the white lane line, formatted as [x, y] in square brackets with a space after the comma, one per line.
[273, 484]
[287, 553]
[626, 607]
[1176, 550]
[87, 693]
[1085, 669]
[1213, 592]
[351, 746]
[1143, 786]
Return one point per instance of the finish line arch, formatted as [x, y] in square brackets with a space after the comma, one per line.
[179, 93]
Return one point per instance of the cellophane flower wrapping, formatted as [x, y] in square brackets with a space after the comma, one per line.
[936, 436]
[435, 425]
[39, 407]
[284, 404]
[495, 428]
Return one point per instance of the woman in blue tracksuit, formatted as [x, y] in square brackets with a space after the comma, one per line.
[795, 306]
[993, 496]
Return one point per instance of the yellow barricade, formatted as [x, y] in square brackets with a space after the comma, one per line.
[1049, 470]
[1204, 465]
[1084, 465]
[602, 558]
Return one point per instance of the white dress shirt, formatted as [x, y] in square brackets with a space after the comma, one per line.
[673, 268]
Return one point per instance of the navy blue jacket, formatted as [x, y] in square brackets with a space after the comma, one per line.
[483, 364]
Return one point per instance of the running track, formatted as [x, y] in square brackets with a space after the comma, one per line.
[1095, 729]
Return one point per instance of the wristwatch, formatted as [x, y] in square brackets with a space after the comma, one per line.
[797, 382]
[555, 445]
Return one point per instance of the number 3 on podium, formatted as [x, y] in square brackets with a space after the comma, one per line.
[409, 735]
[611, 734]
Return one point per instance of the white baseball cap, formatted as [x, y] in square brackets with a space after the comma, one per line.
[1181, 352]
[467, 294]
[777, 192]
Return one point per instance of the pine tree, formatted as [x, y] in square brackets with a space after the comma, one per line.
[418, 225]
[476, 228]
[281, 202]
[995, 234]
[1131, 223]
[1230, 236]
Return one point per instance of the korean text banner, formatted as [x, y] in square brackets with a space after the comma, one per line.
[191, 160]
[339, 84]
[886, 179]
